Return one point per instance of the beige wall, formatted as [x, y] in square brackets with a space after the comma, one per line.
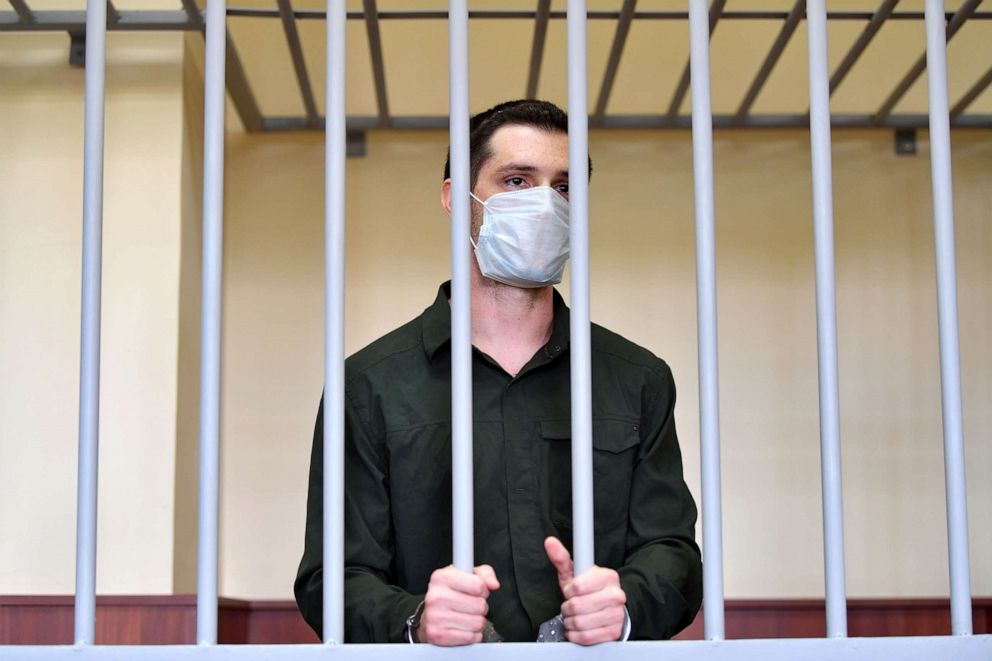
[644, 287]
[41, 147]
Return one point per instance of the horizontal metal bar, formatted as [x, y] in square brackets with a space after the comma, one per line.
[914, 648]
[840, 121]
[163, 21]
[22, 9]
[666, 15]
[75, 20]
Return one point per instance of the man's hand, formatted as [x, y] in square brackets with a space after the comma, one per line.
[455, 607]
[594, 601]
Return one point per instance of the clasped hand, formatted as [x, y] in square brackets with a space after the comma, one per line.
[456, 604]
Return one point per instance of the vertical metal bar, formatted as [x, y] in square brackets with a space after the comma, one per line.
[89, 354]
[709, 380]
[210, 349]
[826, 320]
[583, 551]
[947, 310]
[461, 292]
[334, 229]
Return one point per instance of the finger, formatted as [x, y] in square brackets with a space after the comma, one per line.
[597, 601]
[591, 581]
[448, 637]
[607, 617]
[488, 576]
[459, 581]
[560, 558]
[595, 636]
[448, 619]
[442, 598]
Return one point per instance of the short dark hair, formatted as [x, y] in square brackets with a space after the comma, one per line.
[542, 115]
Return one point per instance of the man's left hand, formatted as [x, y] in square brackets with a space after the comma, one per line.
[594, 601]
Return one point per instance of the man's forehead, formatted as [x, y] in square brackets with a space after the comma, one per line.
[528, 146]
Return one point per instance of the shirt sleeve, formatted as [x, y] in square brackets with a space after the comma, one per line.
[375, 611]
[662, 571]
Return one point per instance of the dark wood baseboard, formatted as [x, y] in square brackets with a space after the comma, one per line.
[171, 619]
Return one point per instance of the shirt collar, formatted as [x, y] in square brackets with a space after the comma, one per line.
[436, 323]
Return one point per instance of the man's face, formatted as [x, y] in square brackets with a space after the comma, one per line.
[522, 157]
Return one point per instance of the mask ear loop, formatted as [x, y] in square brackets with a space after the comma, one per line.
[471, 240]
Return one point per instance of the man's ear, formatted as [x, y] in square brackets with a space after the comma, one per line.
[446, 196]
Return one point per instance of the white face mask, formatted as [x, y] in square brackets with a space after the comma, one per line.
[523, 241]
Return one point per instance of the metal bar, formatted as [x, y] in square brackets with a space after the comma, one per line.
[75, 21]
[334, 273]
[157, 20]
[613, 63]
[537, 47]
[600, 15]
[640, 122]
[960, 16]
[23, 11]
[378, 63]
[580, 347]
[210, 340]
[716, 11]
[947, 317]
[461, 291]
[299, 63]
[193, 12]
[972, 94]
[904, 648]
[89, 351]
[709, 379]
[826, 321]
[240, 91]
[778, 47]
[874, 25]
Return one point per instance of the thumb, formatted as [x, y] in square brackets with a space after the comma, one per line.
[488, 576]
[560, 558]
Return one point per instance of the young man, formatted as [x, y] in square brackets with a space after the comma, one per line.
[399, 581]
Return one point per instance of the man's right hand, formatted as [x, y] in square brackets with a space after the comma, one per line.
[456, 606]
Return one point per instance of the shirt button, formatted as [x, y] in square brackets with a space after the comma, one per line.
[557, 348]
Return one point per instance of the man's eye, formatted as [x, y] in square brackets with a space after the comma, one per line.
[515, 181]
[563, 189]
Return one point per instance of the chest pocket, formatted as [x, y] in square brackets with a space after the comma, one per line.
[614, 443]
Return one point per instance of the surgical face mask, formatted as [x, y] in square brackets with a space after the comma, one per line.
[523, 241]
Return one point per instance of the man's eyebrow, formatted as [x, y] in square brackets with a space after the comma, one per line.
[523, 167]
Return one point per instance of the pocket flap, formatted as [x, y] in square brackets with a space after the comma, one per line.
[556, 430]
[608, 434]
[615, 435]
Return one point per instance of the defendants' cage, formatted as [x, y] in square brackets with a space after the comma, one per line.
[222, 64]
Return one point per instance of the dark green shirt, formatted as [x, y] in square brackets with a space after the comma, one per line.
[398, 482]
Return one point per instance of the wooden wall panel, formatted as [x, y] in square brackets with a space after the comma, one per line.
[171, 619]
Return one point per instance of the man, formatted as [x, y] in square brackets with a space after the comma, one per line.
[399, 582]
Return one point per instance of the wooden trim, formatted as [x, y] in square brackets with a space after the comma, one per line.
[171, 619]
